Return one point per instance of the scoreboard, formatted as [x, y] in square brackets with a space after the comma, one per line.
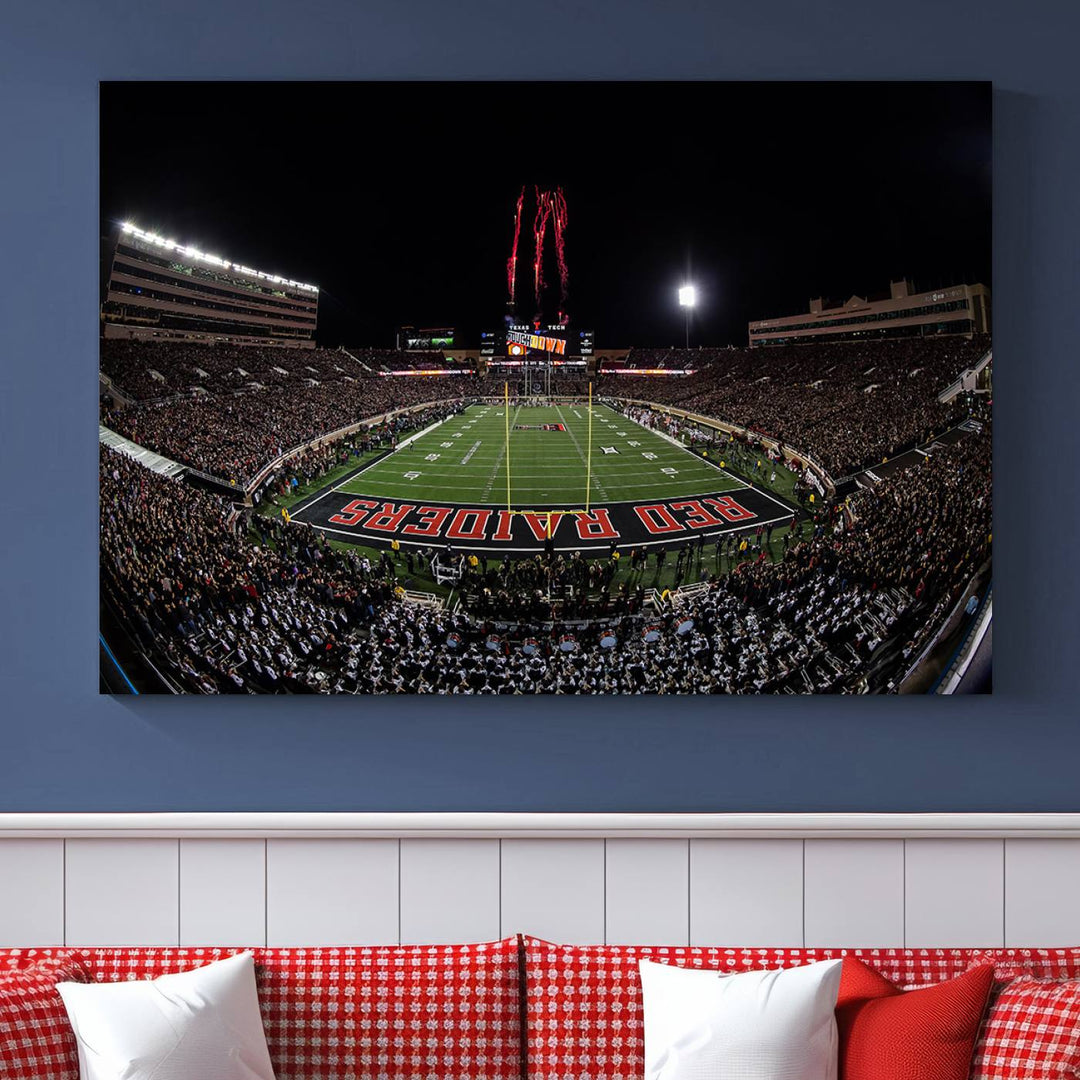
[518, 340]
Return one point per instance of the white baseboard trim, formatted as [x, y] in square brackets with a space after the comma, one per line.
[539, 825]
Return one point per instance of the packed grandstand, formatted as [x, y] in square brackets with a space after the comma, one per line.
[207, 576]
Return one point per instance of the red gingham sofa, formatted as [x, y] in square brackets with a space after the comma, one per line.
[517, 1009]
[583, 1019]
[445, 1012]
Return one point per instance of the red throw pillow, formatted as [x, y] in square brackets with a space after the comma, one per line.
[1032, 1032]
[891, 1034]
[36, 1038]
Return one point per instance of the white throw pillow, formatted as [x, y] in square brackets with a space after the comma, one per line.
[757, 1025]
[202, 1024]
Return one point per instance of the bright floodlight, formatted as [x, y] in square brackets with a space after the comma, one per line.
[687, 296]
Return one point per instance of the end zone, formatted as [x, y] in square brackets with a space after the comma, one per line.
[521, 530]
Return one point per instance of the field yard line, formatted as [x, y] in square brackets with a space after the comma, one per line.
[418, 435]
[570, 431]
[401, 446]
[532, 493]
[544, 483]
[685, 449]
[631, 471]
[498, 460]
[742, 483]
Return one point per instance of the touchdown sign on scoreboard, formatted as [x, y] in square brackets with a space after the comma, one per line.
[541, 342]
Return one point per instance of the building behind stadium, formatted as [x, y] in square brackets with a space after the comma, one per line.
[160, 290]
[959, 309]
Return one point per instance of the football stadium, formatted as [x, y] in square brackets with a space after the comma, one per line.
[535, 503]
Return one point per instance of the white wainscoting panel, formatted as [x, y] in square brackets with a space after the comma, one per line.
[1042, 892]
[122, 892]
[954, 893]
[746, 892]
[854, 892]
[647, 892]
[222, 892]
[554, 889]
[332, 892]
[449, 891]
[31, 892]
[874, 880]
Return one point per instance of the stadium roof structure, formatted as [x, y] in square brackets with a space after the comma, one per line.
[188, 252]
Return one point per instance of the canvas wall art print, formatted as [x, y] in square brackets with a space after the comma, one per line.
[545, 388]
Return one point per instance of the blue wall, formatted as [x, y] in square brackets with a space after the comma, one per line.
[64, 748]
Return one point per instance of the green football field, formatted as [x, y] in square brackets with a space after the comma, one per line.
[464, 460]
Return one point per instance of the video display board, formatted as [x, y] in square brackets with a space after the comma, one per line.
[411, 338]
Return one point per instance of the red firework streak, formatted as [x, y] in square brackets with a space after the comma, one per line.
[511, 263]
[543, 212]
[558, 213]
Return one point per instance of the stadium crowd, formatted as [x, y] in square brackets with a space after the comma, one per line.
[277, 609]
[310, 465]
[233, 436]
[404, 360]
[848, 405]
[225, 612]
[670, 358]
[153, 370]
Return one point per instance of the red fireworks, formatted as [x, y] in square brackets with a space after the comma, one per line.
[543, 212]
[511, 263]
[550, 206]
[558, 214]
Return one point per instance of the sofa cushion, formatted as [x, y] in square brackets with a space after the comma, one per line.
[584, 1012]
[927, 1033]
[753, 1025]
[203, 1023]
[1031, 1032]
[36, 1039]
[397, 1011]
[1035, 963]
[388, 1012]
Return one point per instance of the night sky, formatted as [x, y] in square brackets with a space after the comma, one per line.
[397, 199]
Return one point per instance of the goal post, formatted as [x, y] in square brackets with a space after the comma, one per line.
[547, 514]
[506, 410]
[588, 462]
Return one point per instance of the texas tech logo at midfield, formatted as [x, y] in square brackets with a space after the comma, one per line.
[380, 520]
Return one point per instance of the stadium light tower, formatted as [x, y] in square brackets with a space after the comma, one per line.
[687, 300]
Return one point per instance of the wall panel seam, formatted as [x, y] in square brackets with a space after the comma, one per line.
[803, 845]
[1004, 893]
[603, 890]
[689, 891]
